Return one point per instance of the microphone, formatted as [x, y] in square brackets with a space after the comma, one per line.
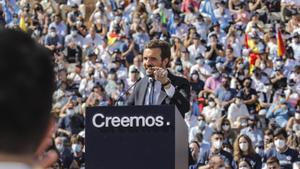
[123, 93]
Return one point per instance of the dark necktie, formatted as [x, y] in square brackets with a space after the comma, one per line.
[151, 94]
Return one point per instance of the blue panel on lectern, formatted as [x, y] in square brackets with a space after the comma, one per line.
[130, 137]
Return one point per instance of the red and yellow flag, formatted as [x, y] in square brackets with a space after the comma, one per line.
[280, 44]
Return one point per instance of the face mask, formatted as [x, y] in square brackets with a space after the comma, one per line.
[241, 66]
[241, 77]
[70, 112]
[279, 143]
[244, 124]
[215, 75]
[222, 168]
[74, 33]
[52, 34]
[161, 6]
[262, 66]
[201, 124]
[200, 61]
[258, 150]
[218, 144]
[37, 32]
[225, 127]
[297, 116]
[243, 168]
[238, 102]
[282, 100]
[243, 146]
[76, 148]
[211, 104]
[178, 68]
[195, 77]
[118, 18]
[60, 147]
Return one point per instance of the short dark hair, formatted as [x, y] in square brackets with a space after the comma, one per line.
[25, 92]
[216, 132]
[162, 45]
[272, 160]
[280, 131]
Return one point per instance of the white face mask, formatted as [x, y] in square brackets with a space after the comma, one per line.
[218, 144]
[70, 112]
[215, 75]
[279, 143]
[161, 6]
[211, 104]
[243, 168]
[52, 34]
[262, 66]
[194, 77]
[73, 33]
[244, 146]
[297, 116]
[201, 124]
[225, 127]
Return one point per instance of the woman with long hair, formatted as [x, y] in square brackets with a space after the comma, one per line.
[243, 148]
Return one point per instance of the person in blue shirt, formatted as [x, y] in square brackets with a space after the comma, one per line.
[281, 151]
[255, 134]
[279, 111]
[217, 139]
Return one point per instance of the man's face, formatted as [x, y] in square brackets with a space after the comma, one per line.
[152, 58]
[217, 137]
[273, 166]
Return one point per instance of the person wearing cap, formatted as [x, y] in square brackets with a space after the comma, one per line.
[236, 110]
[196, 48]
[286, 156]
[279, 110]
[158, 87]
[259, 25]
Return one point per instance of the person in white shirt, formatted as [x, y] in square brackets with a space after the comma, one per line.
[203, 69]
[212, 112]
[236, 110]
[203, 128]
[94, 41]
[196, 49]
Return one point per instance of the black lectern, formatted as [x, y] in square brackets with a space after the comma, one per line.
[136, 137]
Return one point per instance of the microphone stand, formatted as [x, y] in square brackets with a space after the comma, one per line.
[122, 94]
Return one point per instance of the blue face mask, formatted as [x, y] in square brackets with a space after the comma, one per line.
[282, 100]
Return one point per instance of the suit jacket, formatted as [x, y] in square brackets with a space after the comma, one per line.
[181, 97]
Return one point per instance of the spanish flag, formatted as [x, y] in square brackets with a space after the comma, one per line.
[22, 24]
[112, 37]
[280, 44]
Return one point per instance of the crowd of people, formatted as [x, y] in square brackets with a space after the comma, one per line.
[241, 57]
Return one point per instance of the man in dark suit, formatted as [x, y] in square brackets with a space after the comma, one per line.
[160, 86]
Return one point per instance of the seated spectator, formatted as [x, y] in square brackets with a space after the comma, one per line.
[279, 111]
[243, 148]
[236, 110]
[252, 131]
[281, 151]
[217, 139]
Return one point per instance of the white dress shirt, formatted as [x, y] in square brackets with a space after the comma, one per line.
[157, 89]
